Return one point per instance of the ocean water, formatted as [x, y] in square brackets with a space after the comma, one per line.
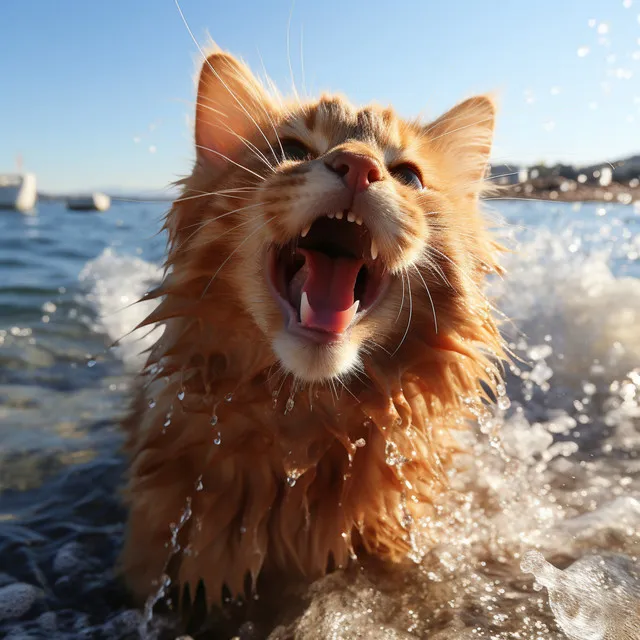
[539, 537]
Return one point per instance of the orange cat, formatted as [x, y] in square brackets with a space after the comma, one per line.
[325, 330]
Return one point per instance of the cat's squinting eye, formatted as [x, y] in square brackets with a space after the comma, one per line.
[408, 174]
[294, 150]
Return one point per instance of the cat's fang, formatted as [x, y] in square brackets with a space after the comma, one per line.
[374, 249]
[305, 309]
[305, 231]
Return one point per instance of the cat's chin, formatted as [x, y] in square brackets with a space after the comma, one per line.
[314, 361]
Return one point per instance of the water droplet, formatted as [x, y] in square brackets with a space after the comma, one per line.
[152, 403]
[199, 485]
[167, 422]
[218, 439]
[504, 403]
[91, 363]
[291, 480]
[393, 457]
[289, 406]
[360, 442]
[214, 420]
[181, 395]
[228, 397]
[407, 520]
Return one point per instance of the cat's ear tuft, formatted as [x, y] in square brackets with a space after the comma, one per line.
[464, 135]
[231, 105]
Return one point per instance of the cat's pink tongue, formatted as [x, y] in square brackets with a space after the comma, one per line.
[327, 293]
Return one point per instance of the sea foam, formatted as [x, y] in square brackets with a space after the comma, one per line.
[114, 284]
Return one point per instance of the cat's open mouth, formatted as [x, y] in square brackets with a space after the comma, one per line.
[328, 278]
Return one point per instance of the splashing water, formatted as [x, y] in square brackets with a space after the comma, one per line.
[596, 598]
[115, 284]
[552, 468]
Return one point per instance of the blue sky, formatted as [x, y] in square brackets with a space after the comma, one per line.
[99, 94]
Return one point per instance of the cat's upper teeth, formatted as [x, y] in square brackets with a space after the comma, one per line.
[351, 217]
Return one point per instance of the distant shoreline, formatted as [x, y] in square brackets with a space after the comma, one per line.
[529, 190]
[569, 191]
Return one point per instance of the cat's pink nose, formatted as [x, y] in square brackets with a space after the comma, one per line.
[358, 171]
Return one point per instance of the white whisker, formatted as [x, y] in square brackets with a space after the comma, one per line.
[203, 194]
[202, 224]
[210, 241]
[228, 159]
[401, 301]
[247, 143]
[434, 267]
[458, 267]
[501, 175]
[466, 126]
[433, 307]
[284, 377]
[335, 391]
[217, 75]
[253, 233]
[273, 126]
[406, 331]
[293, 82]
[304, 82]
[347, 389]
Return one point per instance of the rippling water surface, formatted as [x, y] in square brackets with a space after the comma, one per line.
[551, 485]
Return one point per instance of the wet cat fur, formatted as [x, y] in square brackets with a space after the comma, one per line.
[317, 454]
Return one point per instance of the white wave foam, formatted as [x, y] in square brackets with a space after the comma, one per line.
[580, 324]
[565, 298]
[114, 283]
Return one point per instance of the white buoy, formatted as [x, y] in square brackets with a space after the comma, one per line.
[91, 202]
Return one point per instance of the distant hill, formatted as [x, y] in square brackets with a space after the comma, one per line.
[118, 194]
[160, 195]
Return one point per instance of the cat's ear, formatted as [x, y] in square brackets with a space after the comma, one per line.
[464, 135]
[231, 104]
